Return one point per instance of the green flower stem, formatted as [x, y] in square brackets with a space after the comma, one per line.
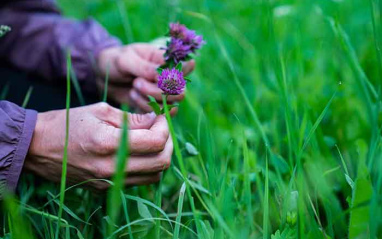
[178, 155]
[177, 150]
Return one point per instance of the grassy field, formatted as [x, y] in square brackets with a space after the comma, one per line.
[279, 135]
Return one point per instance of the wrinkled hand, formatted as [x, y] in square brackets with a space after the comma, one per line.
[133, 75]
[94, 134]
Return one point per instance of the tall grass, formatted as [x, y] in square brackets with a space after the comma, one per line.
[279, 135]
[65, 156]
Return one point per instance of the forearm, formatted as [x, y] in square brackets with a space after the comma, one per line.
[16, 130]
[40, 36]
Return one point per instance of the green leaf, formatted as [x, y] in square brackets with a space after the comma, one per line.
[68, 210]
[349, 181]
[144, 211]
[179, 66]
[191, 149]
[360, 208]
[152, 99]
[154, 105]
[199, 187]
[188, 79]
[159, 70]
[152, 205]
[179, 212]
[287, 233]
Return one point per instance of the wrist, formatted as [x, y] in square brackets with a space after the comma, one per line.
[37, 145]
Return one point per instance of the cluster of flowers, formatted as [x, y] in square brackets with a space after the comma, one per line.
[182, 44]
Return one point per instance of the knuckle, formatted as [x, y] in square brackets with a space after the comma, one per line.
[103, 108]
[137, 119]
[159, 142]
[147, 70]
[95, 141]
[164, 161]
[101, 171]
[97, 144]
[102, 144]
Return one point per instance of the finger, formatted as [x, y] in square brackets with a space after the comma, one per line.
[108, 114]
[140, 101]
[148, 88]
[150, 141]
[150, 52]
[141, 121]
[114, 117]
[107, 63]
[137, 165]
[174, 111]
[188, 67]
[141, 141]
[132, 63]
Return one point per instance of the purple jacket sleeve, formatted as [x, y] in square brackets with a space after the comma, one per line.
[40, 36]
[16, 130]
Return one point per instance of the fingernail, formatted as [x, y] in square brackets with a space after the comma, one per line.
[133, 95]
[138, 84]
[151, 115]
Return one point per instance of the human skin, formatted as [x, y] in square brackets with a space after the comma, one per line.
[94, 136]
[132, 74]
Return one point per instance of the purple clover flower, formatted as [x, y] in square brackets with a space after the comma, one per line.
[194, 41]
[183, 42]
[171, 82]
[178, 30]
[177, 51]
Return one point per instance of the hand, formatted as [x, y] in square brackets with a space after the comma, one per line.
[132, 74]
[94, 133]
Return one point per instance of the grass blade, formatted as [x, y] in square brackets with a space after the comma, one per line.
[18, 227]
[65, 156]
[178, 155]
[77, 88]
[127, 218]
[266, 201]
[113, 199]
[4, 91]
[158, 202]
[27, 97]
[360, 214]
[247, 184]
[179, 214]
[315, 126]
[106, 82]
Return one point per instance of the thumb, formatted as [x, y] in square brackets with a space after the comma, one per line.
[141, 121]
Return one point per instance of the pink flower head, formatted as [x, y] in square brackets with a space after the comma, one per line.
[177, 51]
[178, 30]
[183, 42]
[171, 82]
